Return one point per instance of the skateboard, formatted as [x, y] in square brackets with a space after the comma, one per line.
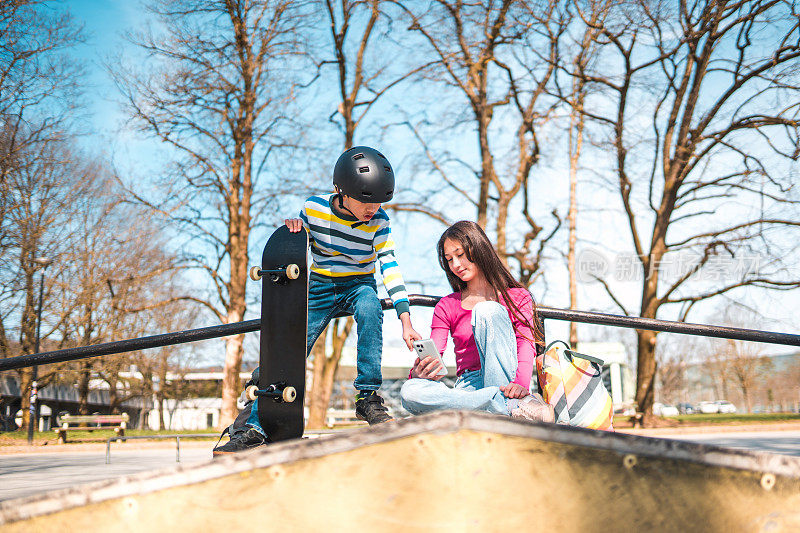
[284, 316]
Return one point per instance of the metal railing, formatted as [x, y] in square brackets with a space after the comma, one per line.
[177, 438]
[224, 330]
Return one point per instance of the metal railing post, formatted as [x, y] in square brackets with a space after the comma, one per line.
[176, 437]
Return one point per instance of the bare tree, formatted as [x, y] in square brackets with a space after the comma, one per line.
[153, 382]
[748, 368]
[116, 271]
[716, 367]
[587, 49]
[179, 314]
[214, 91]
[67, 209]
[39, 92]
[365, 71]
[783, 382]
[364, 75]
[44, 189]
[672, 364]
[718, 83]
[744, 362]
[497, 59]
[39, 88]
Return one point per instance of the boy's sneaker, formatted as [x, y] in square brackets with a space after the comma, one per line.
[533, 407]
[245, 438]
[369, 407]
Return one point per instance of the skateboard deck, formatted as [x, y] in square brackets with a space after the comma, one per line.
[284, 316]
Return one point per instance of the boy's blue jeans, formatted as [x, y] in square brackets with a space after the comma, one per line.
[358, 297]
[474, 390]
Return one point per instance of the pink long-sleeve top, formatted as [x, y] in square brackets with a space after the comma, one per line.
[450, 317]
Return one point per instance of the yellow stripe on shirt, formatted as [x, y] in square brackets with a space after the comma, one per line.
[331, 217]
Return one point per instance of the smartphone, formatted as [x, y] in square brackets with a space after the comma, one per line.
[427, 348]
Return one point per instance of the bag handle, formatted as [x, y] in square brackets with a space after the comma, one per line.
[572, 353]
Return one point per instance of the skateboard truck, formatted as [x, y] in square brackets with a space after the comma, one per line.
[290, 271]
[277, 391]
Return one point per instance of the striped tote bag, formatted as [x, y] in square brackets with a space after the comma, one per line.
[571, 383]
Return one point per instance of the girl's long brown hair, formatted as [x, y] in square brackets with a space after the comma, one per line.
[479, 250]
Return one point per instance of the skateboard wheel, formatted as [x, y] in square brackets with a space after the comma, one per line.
[255, 273]
[289, 394]
[250, 392]
[292, 271]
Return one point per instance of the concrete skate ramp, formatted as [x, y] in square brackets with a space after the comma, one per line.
[450, 471]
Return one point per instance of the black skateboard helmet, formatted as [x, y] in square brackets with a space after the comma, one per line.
[363, 173]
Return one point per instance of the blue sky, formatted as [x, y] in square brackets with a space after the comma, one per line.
[105, 22]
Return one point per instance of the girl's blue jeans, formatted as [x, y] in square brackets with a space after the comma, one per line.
[475, 390]
[357, 297]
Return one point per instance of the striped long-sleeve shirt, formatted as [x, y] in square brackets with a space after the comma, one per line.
[343, 248]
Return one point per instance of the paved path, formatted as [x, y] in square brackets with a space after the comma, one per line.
[784, 442]
[34, 473]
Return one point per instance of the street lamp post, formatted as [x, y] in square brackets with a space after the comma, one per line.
[43, 263]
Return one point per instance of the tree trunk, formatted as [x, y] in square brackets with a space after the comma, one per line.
[113, 396]
[147, 399]
[577, 119]
[231, 384]
[162, 383]
[487, 169]
[239, 235]
[646, 366]
[27, 339]
[325, 371]
[25, 380]
[645, 375]
[502, 217]
[230, 379]
[84, 375]
[316, 405]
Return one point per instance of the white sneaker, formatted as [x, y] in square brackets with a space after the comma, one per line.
[533, 407]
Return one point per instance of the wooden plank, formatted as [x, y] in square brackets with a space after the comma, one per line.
[96, 419]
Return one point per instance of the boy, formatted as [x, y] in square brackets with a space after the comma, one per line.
[348, 232]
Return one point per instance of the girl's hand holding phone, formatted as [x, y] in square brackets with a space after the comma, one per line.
[427, 368]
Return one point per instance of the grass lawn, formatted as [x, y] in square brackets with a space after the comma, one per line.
[700, 419]
[20, 438]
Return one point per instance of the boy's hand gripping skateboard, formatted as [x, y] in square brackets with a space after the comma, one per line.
[284, 317]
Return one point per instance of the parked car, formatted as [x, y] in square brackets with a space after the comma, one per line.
[660, 409]
[686, 408]
[725, 406]
[669, 410]
[708, 407]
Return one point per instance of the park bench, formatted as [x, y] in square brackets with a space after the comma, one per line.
[340, 417]
[90, 423]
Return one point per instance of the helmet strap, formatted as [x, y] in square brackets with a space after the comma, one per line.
[343, 207]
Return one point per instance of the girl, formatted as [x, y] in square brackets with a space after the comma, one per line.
[492, 320]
